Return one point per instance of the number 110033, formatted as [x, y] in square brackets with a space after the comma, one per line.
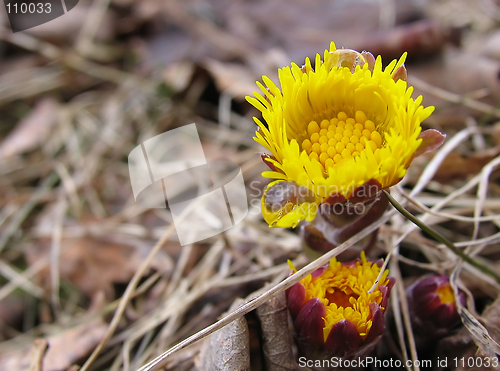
[29, 8]
[476, 362]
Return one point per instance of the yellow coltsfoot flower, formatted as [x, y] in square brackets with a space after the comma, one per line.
[333, 128]
[333, 312]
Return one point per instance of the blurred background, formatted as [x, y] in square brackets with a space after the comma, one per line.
[78, 93]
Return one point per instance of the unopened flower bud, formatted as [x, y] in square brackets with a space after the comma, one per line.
[432, 306]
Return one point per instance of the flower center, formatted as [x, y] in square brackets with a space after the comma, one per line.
[342, 137]
[343, 290]
[341, 298]
[445, 294]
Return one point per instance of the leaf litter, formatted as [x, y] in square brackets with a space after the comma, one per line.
[104, 281]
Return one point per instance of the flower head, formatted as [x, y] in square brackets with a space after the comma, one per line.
[333, 312]
[333, 128]
[433, 305]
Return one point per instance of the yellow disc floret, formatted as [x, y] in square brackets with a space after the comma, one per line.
[340, 138]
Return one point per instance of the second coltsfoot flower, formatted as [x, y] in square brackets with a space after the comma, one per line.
[333, 312]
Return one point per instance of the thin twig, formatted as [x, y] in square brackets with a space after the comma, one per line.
[26, 209]
[406, 313]
[127, 296]
[73, 60]
[454, 98]
[91, 25]
[38, 351]
[440, 238]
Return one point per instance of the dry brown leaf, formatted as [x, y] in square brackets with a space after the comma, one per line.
[94, 265]
[228, 348]
[491, 46]
[70, 346]
[67, 27]
[491, 319]
[458, 166]
[11, 312]
[178, 75]
[232, 78]
[66, 346]
[303, 27]
[419, 39]
[453, 346]
[277, 344]
[468, 70]
[32, 130]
